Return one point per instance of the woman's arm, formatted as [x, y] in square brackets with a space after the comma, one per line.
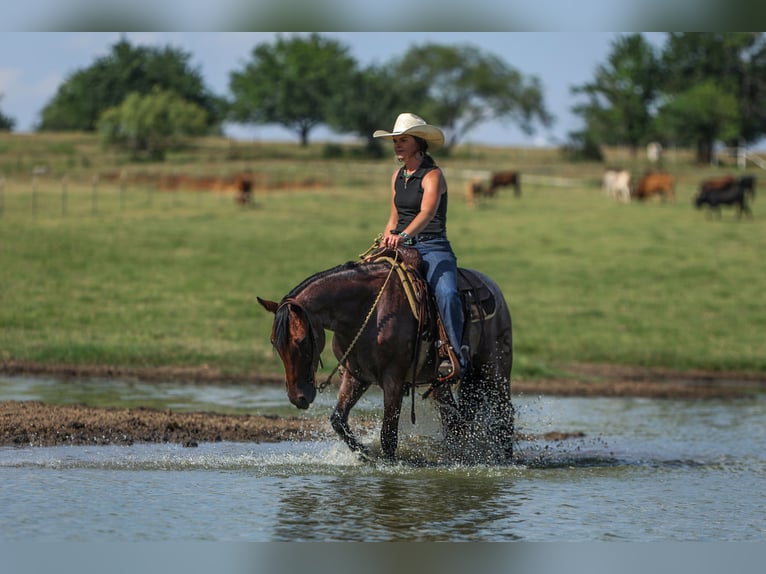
[390, 239]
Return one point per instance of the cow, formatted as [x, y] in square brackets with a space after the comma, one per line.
[733, 193]
[244, 187]
[655, 183]
[474, 188]
[718, 183]
[616, 184]
[503, 178]
[747, 183]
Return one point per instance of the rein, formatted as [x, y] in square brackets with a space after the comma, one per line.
[342, 360]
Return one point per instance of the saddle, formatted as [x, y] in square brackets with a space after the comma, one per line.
[478, 301]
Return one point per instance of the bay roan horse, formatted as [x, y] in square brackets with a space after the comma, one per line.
[378, 339]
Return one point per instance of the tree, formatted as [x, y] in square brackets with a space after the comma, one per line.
[151, 124]
[82, 98]
[619, 110]
[701, 115]
[293, 83]
[7, 123]
[735, 63]
[368, 103]
[462, 87]
[701, 88]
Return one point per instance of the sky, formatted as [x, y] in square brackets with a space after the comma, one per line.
[34, 64]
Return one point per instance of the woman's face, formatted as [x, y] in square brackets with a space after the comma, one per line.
[405, 146]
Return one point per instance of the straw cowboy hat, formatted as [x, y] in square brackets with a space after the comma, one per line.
[413, 125]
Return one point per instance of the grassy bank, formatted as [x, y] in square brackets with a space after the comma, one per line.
[133, 276]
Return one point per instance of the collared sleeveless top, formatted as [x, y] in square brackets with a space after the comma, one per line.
[409, 194]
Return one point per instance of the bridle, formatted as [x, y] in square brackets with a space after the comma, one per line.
[316, 357]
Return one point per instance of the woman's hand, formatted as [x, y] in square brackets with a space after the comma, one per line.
[392, 240]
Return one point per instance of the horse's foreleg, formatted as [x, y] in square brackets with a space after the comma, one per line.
[349, 393]
[389, 431]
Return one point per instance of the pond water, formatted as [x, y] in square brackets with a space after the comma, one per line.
[645, 470]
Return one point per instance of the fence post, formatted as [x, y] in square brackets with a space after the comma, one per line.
[123, 177]
[34, 195]
[94, 184]
[64, 194]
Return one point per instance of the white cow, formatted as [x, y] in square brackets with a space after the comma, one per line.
[616, 184]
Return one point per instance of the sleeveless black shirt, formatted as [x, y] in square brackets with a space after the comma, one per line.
[409, 194]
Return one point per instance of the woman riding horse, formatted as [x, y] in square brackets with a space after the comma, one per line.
[419, 218]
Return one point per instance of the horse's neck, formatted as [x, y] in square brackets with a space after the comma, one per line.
[339, 298]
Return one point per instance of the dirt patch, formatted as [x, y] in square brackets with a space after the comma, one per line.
[38, 424]
[590, 380]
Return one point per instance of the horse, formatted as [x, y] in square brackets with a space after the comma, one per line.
[379, 337]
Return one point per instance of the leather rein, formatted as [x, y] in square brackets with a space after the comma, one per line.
[342, 360]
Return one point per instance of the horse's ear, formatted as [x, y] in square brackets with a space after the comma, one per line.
[268, 305]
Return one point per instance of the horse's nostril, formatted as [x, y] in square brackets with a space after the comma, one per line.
[302, 403]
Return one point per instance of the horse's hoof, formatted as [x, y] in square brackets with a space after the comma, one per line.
[364, 457]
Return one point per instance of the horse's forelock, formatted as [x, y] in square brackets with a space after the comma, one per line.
[282, 326]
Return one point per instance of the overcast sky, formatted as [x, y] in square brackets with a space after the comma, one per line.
[34, 64]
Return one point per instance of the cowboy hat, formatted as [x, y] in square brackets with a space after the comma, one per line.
[411, 124]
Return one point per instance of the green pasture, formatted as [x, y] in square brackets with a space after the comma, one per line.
[132, 276]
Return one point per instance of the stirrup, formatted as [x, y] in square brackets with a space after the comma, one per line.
[447, 371]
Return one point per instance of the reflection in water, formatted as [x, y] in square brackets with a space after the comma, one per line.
[388, 505]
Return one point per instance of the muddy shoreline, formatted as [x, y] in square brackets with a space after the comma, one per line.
[37, 424]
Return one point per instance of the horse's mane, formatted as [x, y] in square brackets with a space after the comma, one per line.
[282, 315]
[303, 284]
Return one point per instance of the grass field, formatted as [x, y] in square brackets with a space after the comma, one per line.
[133, 276]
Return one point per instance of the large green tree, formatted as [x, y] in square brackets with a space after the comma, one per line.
[621, 96]
[735, 62]
[82, 98]
[461, 87]
[151, 124]
[700, 116]
[293, 82]
[698, 89]
[367, 103]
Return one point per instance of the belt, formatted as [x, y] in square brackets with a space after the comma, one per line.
[429, 236]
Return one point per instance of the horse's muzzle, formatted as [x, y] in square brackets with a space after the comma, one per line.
[302, 399]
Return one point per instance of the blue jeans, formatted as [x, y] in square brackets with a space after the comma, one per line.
[441, 274]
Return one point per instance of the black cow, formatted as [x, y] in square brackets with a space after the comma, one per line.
[716, 196]
[747, 183]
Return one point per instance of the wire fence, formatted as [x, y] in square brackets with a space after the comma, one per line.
[41, 195]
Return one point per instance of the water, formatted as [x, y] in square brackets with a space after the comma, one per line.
[645, 470]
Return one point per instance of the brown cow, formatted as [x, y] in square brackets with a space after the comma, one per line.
[244, 187]
[503, 178]
[656, 183]
[474, 188]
